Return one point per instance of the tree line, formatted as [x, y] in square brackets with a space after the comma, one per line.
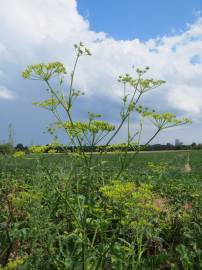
[9, 149]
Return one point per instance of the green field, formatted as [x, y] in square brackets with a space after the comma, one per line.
[54, 217]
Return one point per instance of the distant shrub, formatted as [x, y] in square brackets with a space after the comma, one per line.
[19, 154]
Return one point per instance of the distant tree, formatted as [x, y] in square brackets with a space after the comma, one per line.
[20, 146]
[169, 146]
[199, 146]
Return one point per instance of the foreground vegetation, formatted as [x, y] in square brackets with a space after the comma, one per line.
[148, 219]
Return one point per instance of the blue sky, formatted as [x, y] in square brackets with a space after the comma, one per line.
[165, 35]
[145, 19]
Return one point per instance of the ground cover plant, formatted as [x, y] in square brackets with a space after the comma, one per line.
[36, 221]
[82, 210]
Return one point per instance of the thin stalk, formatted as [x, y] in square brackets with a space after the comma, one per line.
[72, 80]
[69, 117]
[137, 152]
[71, 209]
[124, 119]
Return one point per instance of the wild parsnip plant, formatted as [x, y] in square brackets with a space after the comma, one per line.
[93, 132]
[83, 218]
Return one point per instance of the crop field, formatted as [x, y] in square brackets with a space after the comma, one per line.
[54, 217]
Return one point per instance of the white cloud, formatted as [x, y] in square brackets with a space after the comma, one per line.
[45, 30]
[5, 93]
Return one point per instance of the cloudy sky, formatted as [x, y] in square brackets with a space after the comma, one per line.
[165, 35]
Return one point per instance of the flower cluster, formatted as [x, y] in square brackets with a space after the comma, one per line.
[94, 126]
[38, 149]
[81, 50]
[19, 154]
[167, 120]
[44, 71]
[141, 85]
[50, 103]
[162, 120]
[50, 148]
[136, 203]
